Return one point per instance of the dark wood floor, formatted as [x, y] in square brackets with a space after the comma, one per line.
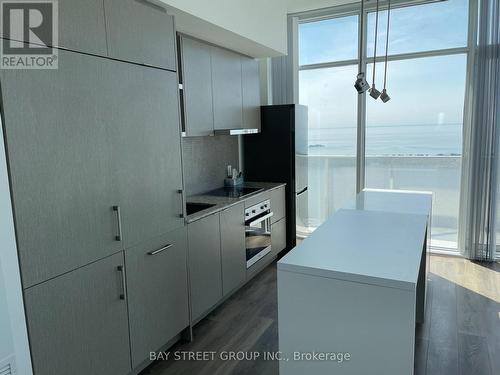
[461, 333]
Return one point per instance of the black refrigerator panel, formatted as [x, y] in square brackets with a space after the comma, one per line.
[267, 154]
[272, 155]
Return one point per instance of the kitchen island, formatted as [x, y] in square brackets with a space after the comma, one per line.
[355, 287]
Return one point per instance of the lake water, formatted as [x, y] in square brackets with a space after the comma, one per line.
[415, 139]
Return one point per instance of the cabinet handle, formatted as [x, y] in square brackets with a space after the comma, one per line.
[118, 211]
[180, 191]
[123, 295]
[161, 249]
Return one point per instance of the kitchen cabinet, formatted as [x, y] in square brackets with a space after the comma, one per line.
[232, 228]
[140, 31]
[204, 264]
[111, 138]
[157, 284]
[250, 84]
[81, 27]
[144, 111]
[60, 164]
[221, 88]
[197, 87]
[278, 204]
[78, 323]
[278, 237]
[227, 91]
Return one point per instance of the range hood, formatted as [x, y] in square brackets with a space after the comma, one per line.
[239, 131]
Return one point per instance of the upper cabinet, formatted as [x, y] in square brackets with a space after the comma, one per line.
[221, 88]
[197, 87]
[227, 91]
[82, 26]
[140, 31]
[250, 85]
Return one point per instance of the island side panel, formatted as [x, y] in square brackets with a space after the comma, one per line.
[375, 325]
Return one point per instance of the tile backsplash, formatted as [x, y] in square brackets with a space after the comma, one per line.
[205, 160]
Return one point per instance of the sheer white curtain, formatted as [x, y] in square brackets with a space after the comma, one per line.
[480, 177]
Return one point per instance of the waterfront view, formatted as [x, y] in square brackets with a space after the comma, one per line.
[332, 181]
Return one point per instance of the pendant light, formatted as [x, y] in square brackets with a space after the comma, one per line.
[374, 93]
[384, 96]
[361, 85]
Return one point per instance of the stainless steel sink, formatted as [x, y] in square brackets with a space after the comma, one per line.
[192, 208]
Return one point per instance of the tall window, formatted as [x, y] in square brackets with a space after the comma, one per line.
[328, 65]
[413, 142]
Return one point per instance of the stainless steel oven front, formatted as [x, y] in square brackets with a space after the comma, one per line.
[258, 232]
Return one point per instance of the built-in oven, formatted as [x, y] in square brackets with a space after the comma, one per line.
[258, 232]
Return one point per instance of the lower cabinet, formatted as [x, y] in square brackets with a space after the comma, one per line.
[78, 321]
[204, 264]
[232, 231]
[157, 286]
[278, 236]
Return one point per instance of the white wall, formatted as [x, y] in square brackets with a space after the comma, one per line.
[13, 334]
[256, 28]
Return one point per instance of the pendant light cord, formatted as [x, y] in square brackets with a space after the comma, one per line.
[387, 41]
[375, 47]
[360, 62]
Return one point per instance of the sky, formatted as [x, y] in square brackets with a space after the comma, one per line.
[423, 91]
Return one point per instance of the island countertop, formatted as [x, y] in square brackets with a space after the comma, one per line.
[379, 248]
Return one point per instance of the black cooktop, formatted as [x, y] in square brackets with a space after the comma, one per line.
[233, 192]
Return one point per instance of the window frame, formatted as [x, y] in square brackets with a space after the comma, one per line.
[355, 10]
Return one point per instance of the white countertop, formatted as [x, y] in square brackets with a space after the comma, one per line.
[372, 247]
[402, 201]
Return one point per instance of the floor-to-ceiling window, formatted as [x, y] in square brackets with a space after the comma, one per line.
[327, 56]
[412, 142]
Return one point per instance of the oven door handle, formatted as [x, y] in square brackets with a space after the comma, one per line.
[261, 219]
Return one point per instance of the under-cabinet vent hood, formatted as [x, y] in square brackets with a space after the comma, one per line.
[235, 131]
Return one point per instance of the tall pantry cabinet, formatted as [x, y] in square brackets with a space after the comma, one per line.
[95, 165]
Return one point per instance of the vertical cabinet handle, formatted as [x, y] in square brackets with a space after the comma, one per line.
[123, 295]
[118, 237]
[180, 191]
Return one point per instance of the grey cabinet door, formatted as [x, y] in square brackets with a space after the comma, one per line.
[78, 323]
[59, 150]
[232, 230]
[250, 83]
[278, 237]
[204, 264]
[278, 204]
[157, 292]
[80, 27]
[144, 111]
[197, 87]
[227, 95]
[140, 31]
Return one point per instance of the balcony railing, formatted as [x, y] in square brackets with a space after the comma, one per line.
[332, 182]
